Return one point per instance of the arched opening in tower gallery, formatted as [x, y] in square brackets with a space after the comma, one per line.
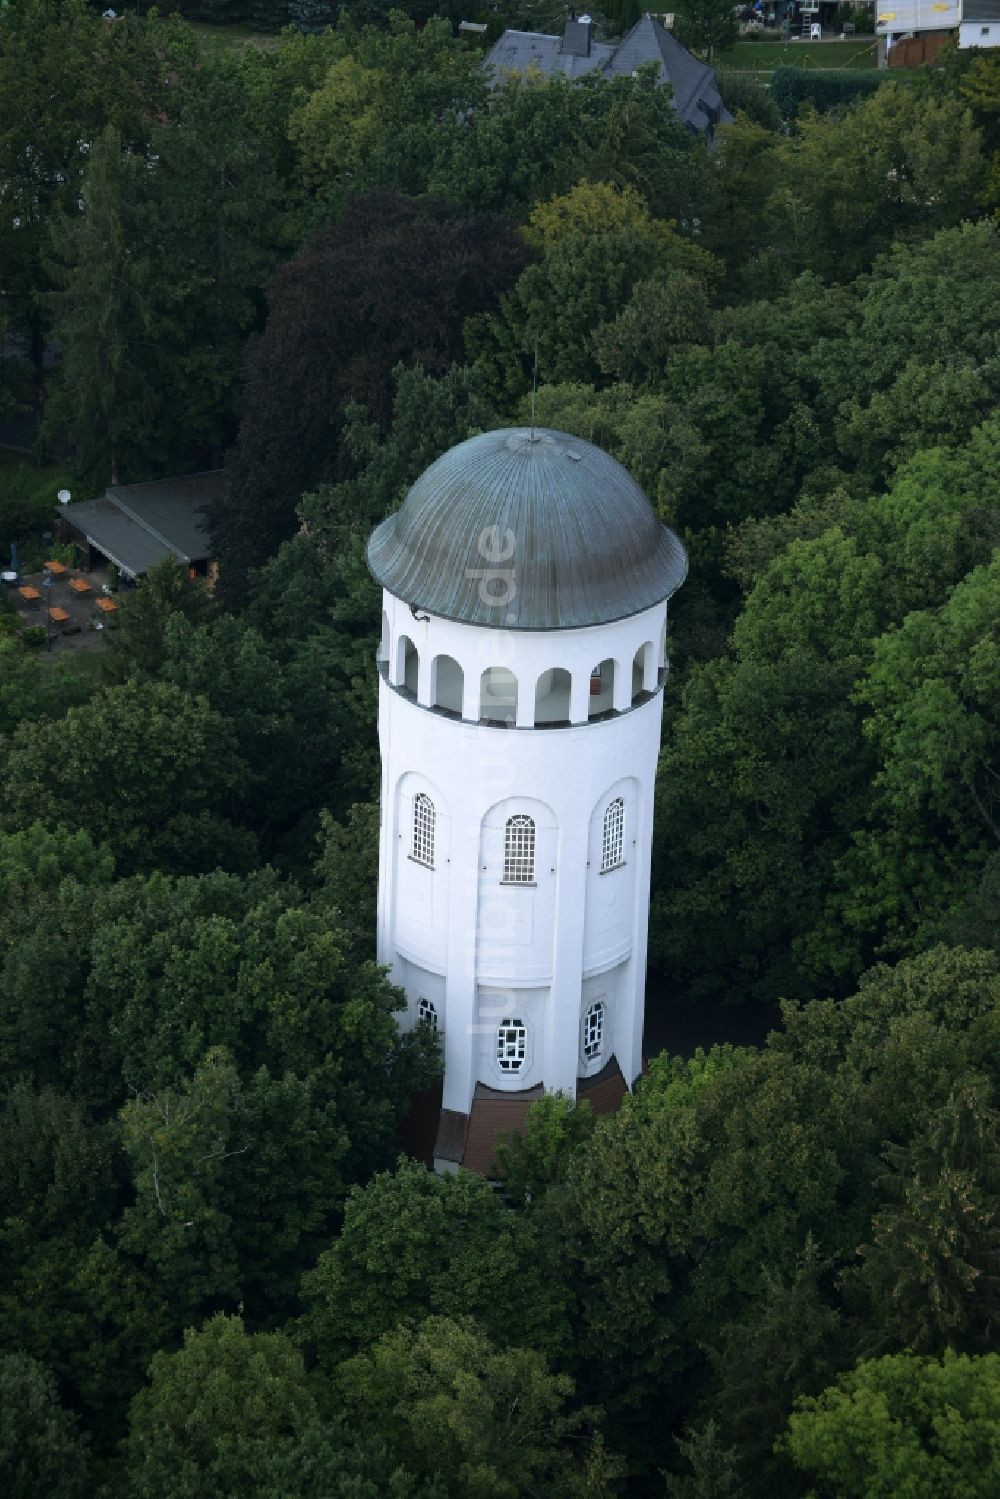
[498, 696]
[645, 673]
[556, 697]
[406, 665]
[447, 686]
[602, 688]
[553, 692]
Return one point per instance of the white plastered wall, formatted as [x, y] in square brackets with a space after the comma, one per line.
[494, 946]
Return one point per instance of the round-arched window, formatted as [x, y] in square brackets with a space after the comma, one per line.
[423, 829]
[613, 842]
[519, 851]
[512, 1045]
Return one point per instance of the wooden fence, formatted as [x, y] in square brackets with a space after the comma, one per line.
[916, 50]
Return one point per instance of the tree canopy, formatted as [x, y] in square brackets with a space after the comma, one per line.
[319, 257]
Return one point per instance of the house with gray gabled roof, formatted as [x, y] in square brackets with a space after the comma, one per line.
[136, 525]
[577, 54]
[980, 25]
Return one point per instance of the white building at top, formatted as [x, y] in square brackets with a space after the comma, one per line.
[523, 656]
[973, 23]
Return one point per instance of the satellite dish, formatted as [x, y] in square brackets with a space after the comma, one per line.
[64, 497]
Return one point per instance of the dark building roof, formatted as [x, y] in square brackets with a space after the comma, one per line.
[527, 529]
[696, 95]
[174, 509]
[137, 525]
[107, 527]
[519, 51]
[981, 10]
[576, 38]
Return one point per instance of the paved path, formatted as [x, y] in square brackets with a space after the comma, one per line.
[80, 609]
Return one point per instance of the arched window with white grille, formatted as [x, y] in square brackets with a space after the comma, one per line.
[423, 830]
[519, 851]
[613, 842]
[593, 1031]
[427, 1012]
[512, 1045]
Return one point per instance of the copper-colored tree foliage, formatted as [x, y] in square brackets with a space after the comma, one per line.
[392, 280]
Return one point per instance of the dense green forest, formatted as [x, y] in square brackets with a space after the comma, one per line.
[776, 1271]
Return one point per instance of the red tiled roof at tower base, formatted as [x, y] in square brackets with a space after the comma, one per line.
[605, 1090]
[494, 1114]
[470, 1140]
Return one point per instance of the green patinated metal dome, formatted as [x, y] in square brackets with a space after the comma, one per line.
[527, 529]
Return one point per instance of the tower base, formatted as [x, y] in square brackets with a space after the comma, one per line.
[470, 1140]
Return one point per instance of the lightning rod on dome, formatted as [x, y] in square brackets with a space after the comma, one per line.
[534, 389]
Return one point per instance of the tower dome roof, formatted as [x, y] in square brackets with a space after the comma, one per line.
[525, 529]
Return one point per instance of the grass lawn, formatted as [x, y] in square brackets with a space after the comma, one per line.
[766, 56]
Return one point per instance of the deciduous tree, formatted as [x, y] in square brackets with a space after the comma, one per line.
[931, 696]
[392, 280]
[139, 642]
[904, 1423]
[211, 1407]
[145, 767]
[480, 1422]
[896, 166]
[416, 1245]
[709, 26]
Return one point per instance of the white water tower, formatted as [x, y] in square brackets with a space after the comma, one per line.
[523, 656]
